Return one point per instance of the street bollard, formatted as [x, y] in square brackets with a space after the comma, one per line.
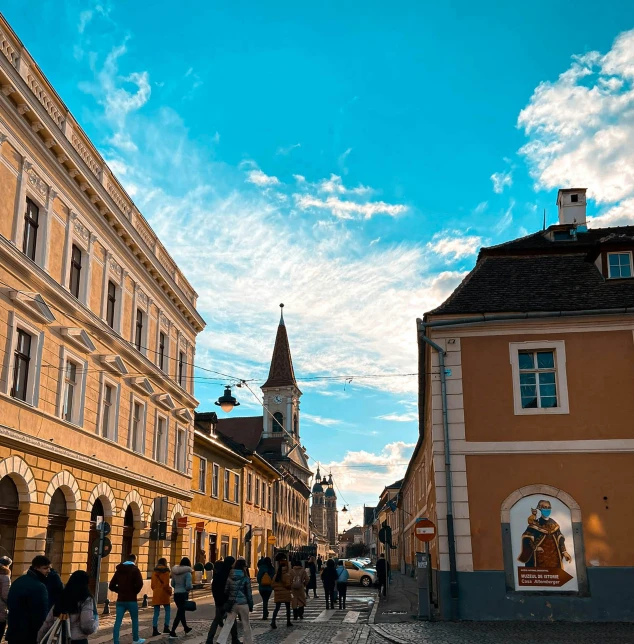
[144, 604]
[106, 607]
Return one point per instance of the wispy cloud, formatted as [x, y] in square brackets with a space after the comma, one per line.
[349, 209]
[405, 417]
[506, 219]
[454, 245]
[285, 150]
[320, 420]
[502, 180]
[259, 178]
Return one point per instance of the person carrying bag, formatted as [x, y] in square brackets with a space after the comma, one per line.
[342, 584]
[182, 583]
[239, 602]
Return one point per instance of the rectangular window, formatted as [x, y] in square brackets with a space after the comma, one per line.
[224, 547]
[75, 270]
[21, 363]
[257, 491]
[138, 330]
[236, 488]
[107, 411]
[263, 488]
[180, 449]
[202, 474]
[161, 440]
[538, 379]
[70, 391]
[161, 351]
[215, 480]
[31, 224]
[181, 369]
[136, 437]
[111, 303]
[234, 548]
[227, 474]
[269, 504]
[619, 265]
[249, 487]
[574, 198]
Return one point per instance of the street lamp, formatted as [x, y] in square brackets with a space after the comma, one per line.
[344, 509]
[227, 402]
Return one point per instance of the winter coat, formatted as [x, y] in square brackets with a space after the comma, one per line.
[219, 581]
[263, 568]
[127, 582]
[312, 571]
[28, 607]
[342, 574]
[282, 588]
[238, 589]
[5, 584]
[161, 589]
[299, 576]
[54, 587]
[329, 577]
[182, 579]
[382, 568]
[82, 624]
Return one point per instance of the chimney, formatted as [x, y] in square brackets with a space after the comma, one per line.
[571, 206]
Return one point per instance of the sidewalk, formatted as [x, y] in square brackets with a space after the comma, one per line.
[401, 603]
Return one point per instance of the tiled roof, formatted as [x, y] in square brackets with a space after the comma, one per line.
[368, 515]
[535, 274]
[245, 430]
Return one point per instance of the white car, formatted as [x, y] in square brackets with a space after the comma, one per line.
[358, 572]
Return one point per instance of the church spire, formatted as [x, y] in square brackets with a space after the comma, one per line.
[281, 373]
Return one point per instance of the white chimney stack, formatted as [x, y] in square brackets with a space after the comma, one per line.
[571, 205]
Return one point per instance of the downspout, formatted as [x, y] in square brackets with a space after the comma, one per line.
[453, 571]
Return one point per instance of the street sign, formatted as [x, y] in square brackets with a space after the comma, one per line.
[554, 577]
[106, 528]
[200, 526]
[271, 539]
[425, 530]
[181, 522]
[107, 547]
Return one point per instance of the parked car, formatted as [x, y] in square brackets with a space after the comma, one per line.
[359, 573]
[364, 561]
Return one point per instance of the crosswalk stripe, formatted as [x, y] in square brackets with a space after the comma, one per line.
[351, 617]
[325, 616]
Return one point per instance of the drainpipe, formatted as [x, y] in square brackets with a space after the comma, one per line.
[453, 572]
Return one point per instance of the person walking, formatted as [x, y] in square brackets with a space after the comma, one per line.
[342, 584]
[5, 584]
[239, 602]
[218, 590]
[266, 572]
[182, 584]
[77, 602]
[282, 591]
[299, 581]
[382, 572]
[161, 596]
[320, 564]
[328, 580]
[312, 571]
[127, 583]
[54, 587]
[27, 603]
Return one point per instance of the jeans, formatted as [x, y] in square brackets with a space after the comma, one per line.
[133, 609]
[266, 595]
[330, 597]
[179, 600]
[342, 588]
[278, 605]
[243, 611]
[219, 621]
[157, 611]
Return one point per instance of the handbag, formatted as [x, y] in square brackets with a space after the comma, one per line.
[59, 633]
[190, 606]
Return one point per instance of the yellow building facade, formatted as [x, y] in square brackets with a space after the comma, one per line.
[97, 331]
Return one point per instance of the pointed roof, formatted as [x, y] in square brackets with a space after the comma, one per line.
[281, 373]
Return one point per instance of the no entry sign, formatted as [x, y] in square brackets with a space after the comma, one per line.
[425, 530]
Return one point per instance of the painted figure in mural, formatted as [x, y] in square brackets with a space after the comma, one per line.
[543, 545]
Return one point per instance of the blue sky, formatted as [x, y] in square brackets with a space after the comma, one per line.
[347, 159]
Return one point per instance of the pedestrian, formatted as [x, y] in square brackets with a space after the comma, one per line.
[182, 584]
[127, 582]
[239, 602]
[382, 571]
[5, 584]
[320, 563]
[54, 587]
[312, 571]
[161, 596]
[342, 584]
[299, 581]
[218, 590]
[266, 572]
[77, 602]
[282, 591]
[27, 603]
[329, 579]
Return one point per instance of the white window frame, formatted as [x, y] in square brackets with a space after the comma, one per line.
[144, 329]
[620, 252]
[114, 419]
[249, 487]
[86, 247]
[236, 487]
[35, 364]
[43, 227]
[157, 417]
[226, 482]
[135, 399]
[256, 498]
[202, 489]
[559, 348]
[80, 391]
[118, 295]
[215, 480]
[180, 428]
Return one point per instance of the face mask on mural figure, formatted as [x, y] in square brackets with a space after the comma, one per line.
[545, 512]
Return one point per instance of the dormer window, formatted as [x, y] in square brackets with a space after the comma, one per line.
[620, 265]
[574, 198]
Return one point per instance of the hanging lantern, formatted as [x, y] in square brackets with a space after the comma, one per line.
[227, 402]
[344, 509]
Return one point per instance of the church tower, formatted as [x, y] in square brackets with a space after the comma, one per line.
[280, 392]
[318, 508]
[332, 519]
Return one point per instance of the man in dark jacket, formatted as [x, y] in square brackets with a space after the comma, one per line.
[218, 584]
[127, 582]
[54, 587]
[28, 603]
[382, 570]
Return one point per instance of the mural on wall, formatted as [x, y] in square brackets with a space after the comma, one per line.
[543, 547]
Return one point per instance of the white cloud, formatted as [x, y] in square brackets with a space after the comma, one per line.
[334, 185]
[320, 420]
[216, 137]
[284, 150]
[453, 244]
[501, 180]
[349, 209]
[506, 220]
[258, 178]
[299, 178]
[405, 417]
[481, 207]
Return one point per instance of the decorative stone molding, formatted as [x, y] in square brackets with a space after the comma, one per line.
[79, 338]
[81, 230]
[22, 475]
[33, 303]
[66, 481]
[134, 498]
[165, 401]
[115, 267]
[36, 181]
[7, 89]
[548, 490]
[83, 186]
[184, 414]
[142, 297]
[114, 363]
[177, 509]
[23, 108]
[94, 198]
[73, 172]
[142, 384]
[103, 492]
[49, 143]
[37, 126]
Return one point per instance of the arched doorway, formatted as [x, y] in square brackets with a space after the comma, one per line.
[56, 530]
[96, 512]
[127, 545]
[174, 545]
[9, 515]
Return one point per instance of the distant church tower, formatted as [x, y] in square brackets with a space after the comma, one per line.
[332, 520]
[318, 508]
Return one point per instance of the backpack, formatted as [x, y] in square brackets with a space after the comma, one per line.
[298, 582]
[266, 580]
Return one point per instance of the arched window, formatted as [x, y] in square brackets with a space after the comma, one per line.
[9, 514]
[278, 422]
[128, 533]
[56, 531]
[95, 512]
